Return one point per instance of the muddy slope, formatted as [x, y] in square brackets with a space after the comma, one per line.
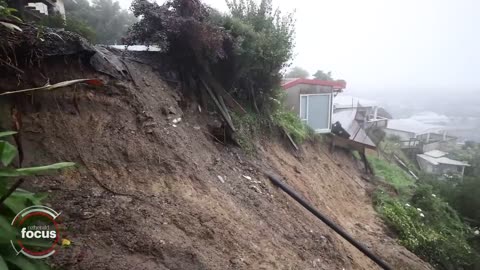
[147, 194]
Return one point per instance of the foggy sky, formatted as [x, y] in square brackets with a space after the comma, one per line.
[388, 46]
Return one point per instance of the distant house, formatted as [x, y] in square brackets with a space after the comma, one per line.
[424, 137]
[437, 162]
[312, 100]
[36, 9]
[408, 128]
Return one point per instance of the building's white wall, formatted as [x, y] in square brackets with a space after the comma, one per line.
[60, 7]
[425, 166]
[439, 169]
[293, 99]
[41, 7]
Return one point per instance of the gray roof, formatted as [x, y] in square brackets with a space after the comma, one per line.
[346, 117]
[346, 101]
[442, 160]
[413, 126]
[435, 153]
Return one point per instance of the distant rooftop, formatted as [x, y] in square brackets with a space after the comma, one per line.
[435, 153]
[291, 82]
[346, 101]
[442, 160]
[414, 126]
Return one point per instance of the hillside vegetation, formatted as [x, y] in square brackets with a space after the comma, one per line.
[423, 219]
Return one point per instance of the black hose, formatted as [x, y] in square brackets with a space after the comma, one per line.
[330, 223]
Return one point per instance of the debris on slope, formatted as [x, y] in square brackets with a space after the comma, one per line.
[149, 195]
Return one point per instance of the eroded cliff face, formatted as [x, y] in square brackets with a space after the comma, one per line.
[152, 194]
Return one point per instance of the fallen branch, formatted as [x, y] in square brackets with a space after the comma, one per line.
[48, 86]
[11, 66]
[290, 139]
[224, 113]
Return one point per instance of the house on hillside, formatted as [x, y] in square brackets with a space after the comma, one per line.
[312, 100]
[350, 122]
[437, 162]
[368, 112]
[36, 9]
[349, 131]
[419, 136]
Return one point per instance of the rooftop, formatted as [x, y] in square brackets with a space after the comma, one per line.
[435, 153]
[346, 118]
[413, 125]
[346, 101]
[291, 82]
[442, 160]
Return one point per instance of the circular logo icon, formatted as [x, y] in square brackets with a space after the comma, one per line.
[37, 232]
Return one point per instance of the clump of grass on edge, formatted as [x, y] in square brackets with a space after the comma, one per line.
[293, 125]
[393, 175]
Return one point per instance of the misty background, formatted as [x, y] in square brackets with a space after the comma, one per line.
[413, 57]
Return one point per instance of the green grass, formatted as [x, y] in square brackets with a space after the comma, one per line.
[392, 146]
[392, 174]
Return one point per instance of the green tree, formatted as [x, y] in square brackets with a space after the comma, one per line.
[297, 72]
[242, 52]
[320, 75]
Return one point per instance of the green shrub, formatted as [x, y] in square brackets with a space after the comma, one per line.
[14, 203]
[70, 24]
[7, 12]
[293, 125]
[248, 127]
[427, 226]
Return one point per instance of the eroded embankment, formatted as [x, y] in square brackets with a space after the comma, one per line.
[151, 195]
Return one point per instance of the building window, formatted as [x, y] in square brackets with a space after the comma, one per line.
[315, 110]
[303, 107]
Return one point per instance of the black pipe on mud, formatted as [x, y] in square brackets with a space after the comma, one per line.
[277, 182]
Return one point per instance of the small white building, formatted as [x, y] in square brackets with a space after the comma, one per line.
[422, 136]
[312, 101]
[437, 162]
[45, 7]
[409, 128]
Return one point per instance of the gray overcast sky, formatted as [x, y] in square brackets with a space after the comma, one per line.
[394, 44]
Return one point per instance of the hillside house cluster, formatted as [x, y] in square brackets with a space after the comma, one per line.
[437, 162]
[321, 105]
[36, 9]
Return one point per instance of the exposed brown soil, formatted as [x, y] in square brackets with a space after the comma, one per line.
[147, 195]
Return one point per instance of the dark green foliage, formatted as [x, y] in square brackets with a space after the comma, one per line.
[320, 75]
[70, 24]
[297, 72]
[244, 50]
[470, 152]
[262, 42]
[427, 226]
[16, 202]
[6, 12]
[462, 194]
